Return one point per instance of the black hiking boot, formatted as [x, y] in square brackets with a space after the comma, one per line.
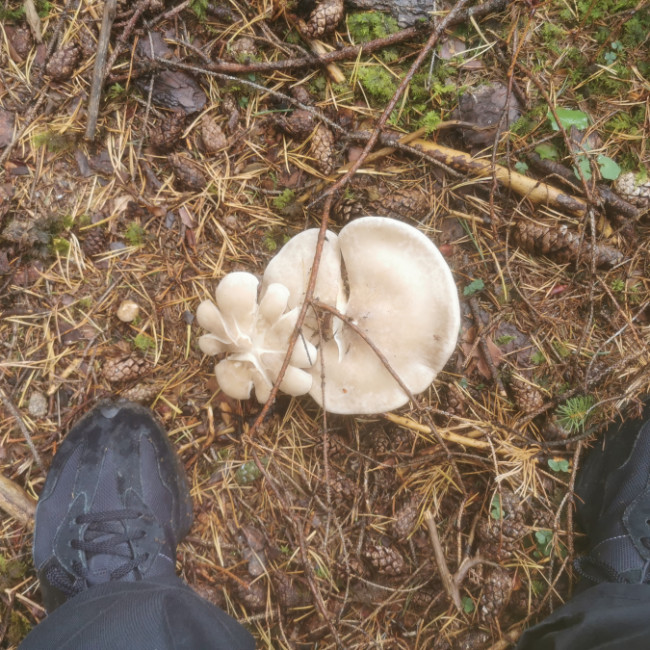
[613, 506]
[114, 505]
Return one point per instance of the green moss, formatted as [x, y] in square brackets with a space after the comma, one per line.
[283, 200]
[377, 83]
[553, 37]
[144, 343]
[369, 25]
[134, 234]
[430, 121]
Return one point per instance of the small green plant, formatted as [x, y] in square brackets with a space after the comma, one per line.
[474, 287]
[559, 465]
[575, 412]
[284, 199]
[468, 605]
[249, 472]
[617, 285]
[537, 357]
[495, 507]
[199, 7]
[116, 91]
[134, 234]
[144, 343]
[612, 54]
[60, 246]
[544, 542]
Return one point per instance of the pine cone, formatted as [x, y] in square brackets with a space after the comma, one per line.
[188, 172]
[286, 591]
[558, 242]
[302, 95]
[6, 196]
[21, 41]
[322, 149]
[349, 208]
[243, 49]
[63, 62]
[341, 488]
[141, 393]
[164, 136]
[299, 124]
[120, 369]
[455, 401]
[252, 595]
[528, 397]
[501, 537]
[212, 135]
[637, 193]
[496, 593]
[94, 242]
[324, 18]
[401, 202]
[385, 559]
[406, 517]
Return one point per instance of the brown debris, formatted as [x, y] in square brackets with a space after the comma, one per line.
[141, 393]
[497, 587]
[324, 18]
[500, 537]
[561, 244]
[212, 135]
[63, 62]
[165, 135]
[189, 173]
[529, 398]
[95, 242]
[299, 124]
[6, 195]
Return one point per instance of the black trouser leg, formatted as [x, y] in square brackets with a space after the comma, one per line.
[608, 616]
[158, 614]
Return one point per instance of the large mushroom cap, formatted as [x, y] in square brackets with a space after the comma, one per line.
[402, 296]
[398, 290]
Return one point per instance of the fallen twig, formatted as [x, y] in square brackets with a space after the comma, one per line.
[23, 428]
[16, 502]
[99, 72]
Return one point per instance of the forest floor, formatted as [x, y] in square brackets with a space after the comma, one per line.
[218, 135]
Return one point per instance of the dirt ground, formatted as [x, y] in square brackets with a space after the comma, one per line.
[518, 145]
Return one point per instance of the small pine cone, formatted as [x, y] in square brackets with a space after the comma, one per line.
[497, 588]
[352, 568]
[286, 591]
[405, 202]
[21, 41]
[322, 149]
[324, 18]
[244, 49]
[377, 442]
[212, 135]
[560, 243]
[385, 559]
[120, 369]
[471, 640]
[501, 537]
[87, 42]
[406, 517]
[250, 594]
[349, 208]
[299, 124]
[455, 401]
[341, 488]
[529, 398]
[6, 196]
[94, 242]
[141, 393]
[165, 135]
[302, 95]
[63, 62]
[637, 193]
[188, 172]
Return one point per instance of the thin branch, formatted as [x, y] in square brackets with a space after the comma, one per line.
[21, 425]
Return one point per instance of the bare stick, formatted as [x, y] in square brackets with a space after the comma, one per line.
[21, 425]
[448, 581]
[16, 502]
[110, 8]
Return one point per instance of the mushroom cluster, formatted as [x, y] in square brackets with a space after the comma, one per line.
[384, 276]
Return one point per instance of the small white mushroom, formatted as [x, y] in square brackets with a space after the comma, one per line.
[128, 311]
[401, 295]
[254, 338]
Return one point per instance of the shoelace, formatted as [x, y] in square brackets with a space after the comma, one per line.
[100, 524]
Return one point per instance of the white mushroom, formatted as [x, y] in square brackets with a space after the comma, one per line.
[401, 295]
[254, 338]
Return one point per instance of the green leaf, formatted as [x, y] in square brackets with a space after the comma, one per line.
[468, 605]
[544, 539]
[495, 507]
[608, 168]
[568, 118]
[584, 165]
[537, 357]
[547, 151]
[474, 287]
[521, 167]
[559, 464]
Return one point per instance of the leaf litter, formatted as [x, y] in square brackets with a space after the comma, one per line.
[160, 208]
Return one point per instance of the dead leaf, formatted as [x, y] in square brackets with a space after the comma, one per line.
[186, 217]
[474, 357]
[7, 121]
